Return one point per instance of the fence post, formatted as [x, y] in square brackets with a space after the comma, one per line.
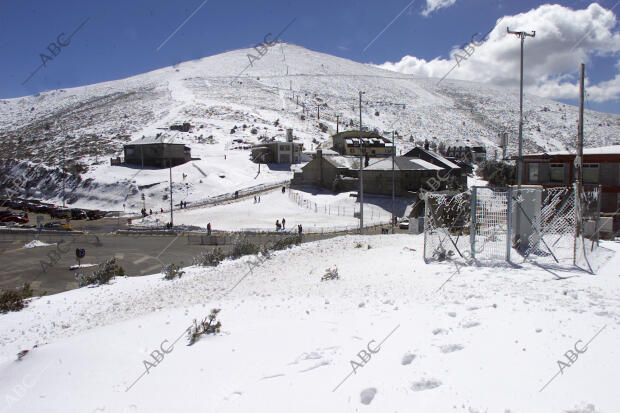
[472, 230]
[598, 214]
[509, 230]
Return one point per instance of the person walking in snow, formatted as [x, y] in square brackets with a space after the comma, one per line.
[283, 189]
[283, 223]
[209, 228]
[299, 229]
[259, 199]
[278, 226]
[254, 198]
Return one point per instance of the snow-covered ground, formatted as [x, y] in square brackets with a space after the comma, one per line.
[486, 341]
[314, 212]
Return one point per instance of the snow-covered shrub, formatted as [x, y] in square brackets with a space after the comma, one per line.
[331, 274]
[13, 300]
[243, 246]
[172, 271]
[210, 325]
[102, 275]
[358, 245]
[254, 131]
[287, 242]
[209, 258]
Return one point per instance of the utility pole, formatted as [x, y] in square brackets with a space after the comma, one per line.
[318, 112]
[64, 145]
[522, 36]
[579, 159]
[361, 171]
[337, 123]
[171, 205]
[393, 156]
[580, 130]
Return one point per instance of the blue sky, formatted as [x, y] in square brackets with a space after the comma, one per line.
[120, 39]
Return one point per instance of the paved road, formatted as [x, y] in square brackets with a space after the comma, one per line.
[48, 268]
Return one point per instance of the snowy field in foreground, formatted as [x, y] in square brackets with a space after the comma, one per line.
[488, 340]
[273, 206]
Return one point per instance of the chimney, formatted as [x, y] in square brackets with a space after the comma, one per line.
[289, 135]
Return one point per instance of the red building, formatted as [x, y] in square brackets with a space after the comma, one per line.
[601, 166]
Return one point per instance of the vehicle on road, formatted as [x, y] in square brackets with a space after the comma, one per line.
[404, 224]
[53, 225]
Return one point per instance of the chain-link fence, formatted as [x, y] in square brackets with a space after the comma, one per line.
[446, 226]
[536, 224]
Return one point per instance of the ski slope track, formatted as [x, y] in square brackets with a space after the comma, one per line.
[91, 123]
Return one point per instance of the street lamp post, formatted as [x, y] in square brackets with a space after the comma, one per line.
[361, 171]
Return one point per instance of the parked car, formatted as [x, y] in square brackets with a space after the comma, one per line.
[95, 214]
[53, 225]
[44, 209]
[404, 224]
[77, 213]
[60, 213]
[13, 204]
[21, 219]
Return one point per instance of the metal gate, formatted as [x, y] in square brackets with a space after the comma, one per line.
[491, 218]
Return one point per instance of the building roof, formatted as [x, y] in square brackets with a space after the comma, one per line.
[268, 144]
[356, 134]
[434, 155]
[603, 150]
[349, 162]
[162, 138]
[401, 163]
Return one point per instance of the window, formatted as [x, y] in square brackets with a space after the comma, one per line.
[556, 172]
[590, 173]
[532, 172]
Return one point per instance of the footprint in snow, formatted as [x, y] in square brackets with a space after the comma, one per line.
[450, 348]
[407, 359]
[452, 314]
[439, 331]
[425, 384]
[471, 324]
[367, 395]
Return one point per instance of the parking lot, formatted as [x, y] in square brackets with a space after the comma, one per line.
[47, 268]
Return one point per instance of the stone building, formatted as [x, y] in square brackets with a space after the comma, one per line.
[159, 151]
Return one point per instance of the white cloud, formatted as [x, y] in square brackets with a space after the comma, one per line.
[432, 5]
[564, 39]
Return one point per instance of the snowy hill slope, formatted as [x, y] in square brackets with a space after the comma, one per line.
[208, 93]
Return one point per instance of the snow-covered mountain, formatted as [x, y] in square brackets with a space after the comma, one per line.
[210, 94]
